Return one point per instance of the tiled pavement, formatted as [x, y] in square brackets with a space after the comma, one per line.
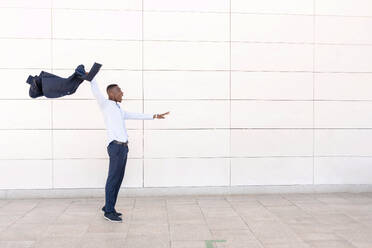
[336, 220]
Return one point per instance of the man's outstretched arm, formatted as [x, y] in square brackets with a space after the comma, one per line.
[140, 116]
[97, 93]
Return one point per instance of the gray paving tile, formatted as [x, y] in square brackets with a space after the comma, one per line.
[23, 232]
[6, 220]
[219, 212]
[188, 244]
[198, 220]
[334, 219]
[273, 232]
[289, 245]
[104, 226]
[258, 214]
[331, 199]
[355, 235]
[76, 218]
[191, 212]
[356, 198]
[241, 198]
[330, 244]
[3, 203]
[362, 244]
[221, 223]
[213, 203]
[176, 201]
[233, 234]
[265, 221]
[148, 229]
[142, 242]
[37, 218]
[18, 207]
[68, 230]
[3, 227]
[99, 240]
[239, 244]
[17, 244]
[310, 228]
[273, 200]
[189, 232]
[150, 203]
[245, 204]
[149, 215]
[316, 236]
[57, 242]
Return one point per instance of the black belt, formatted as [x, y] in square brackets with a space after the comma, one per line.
[120, 143]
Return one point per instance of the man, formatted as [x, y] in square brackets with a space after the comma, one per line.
[117, 147]
[53, 86]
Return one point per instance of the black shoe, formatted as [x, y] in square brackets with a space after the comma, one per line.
[117, 213]
[112, 217]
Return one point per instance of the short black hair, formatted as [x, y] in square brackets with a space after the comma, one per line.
[110, 86]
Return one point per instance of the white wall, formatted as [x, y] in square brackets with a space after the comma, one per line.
[261, 92]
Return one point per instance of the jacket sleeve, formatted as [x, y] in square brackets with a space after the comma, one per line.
[137, 116]
[97, 93]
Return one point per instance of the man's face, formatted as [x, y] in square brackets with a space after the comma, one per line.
[118, 94]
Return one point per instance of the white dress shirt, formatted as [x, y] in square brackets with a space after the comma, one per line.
[114, 116]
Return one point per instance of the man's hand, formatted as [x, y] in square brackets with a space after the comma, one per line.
[160, 116]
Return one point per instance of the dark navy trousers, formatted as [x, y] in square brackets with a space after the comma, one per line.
[118, 160]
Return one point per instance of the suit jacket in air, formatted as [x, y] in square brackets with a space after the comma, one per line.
[53, 86]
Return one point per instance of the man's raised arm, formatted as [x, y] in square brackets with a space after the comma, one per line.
[97, 93]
